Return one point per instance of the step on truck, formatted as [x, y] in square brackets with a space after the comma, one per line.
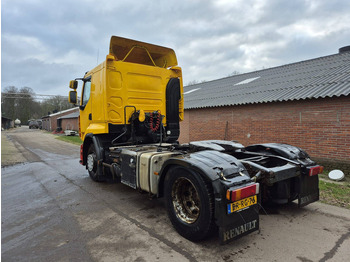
[130, 109]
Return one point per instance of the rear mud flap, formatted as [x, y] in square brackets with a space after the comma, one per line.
[238, 224]
[309, 191]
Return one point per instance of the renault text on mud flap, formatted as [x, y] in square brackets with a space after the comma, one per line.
[234, 232]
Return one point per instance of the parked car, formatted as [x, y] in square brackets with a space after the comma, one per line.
[40, 123]
[33, 124]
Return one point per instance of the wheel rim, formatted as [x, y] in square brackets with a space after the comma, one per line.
[90, 162]
[185, 200]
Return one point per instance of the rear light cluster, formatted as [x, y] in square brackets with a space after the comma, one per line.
[243, 192]
[313, 171]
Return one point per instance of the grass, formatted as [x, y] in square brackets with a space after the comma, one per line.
[70, 139]
[335, 193]
[10, 155]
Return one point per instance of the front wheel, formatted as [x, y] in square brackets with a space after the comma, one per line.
[95, 172]
[190, 203]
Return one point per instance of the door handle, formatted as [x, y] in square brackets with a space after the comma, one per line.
[90, 116]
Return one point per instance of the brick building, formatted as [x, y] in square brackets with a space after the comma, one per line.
[53, 121]
[69, 122]
[306, 104]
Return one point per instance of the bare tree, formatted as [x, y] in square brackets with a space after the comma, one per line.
[25, 104]
[22, 104]
[195, 82]
[55, 104]
[234, 73]
[8, 104]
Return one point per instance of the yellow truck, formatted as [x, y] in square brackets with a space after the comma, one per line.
[130, 109]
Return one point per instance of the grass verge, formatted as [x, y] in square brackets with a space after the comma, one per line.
[335, 193]
[10, 155]
[70, 139]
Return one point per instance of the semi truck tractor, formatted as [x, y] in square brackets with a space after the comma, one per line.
[131, 106]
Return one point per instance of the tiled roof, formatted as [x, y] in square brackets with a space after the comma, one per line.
[71, 115]
[61, 112]
[322, 77]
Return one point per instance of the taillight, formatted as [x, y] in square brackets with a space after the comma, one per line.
[81, 154]
[244, 192]
[313, 171]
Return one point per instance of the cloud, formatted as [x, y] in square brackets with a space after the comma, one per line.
[43, 78]
[47, 43]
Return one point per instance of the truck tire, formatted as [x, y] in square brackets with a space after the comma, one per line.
[92, 166]
[190, 203]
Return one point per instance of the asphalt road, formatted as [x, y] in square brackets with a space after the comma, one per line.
[52, 211]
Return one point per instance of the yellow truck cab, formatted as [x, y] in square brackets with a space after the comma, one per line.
[137, 80]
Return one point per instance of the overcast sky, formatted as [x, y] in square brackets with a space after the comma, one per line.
[47, 43]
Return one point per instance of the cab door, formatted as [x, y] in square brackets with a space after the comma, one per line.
[85, 107]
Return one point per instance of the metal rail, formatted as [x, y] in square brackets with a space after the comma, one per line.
[31, 96]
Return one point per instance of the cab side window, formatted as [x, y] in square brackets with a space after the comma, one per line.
[86, 92]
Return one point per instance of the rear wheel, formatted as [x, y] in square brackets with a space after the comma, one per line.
[95, 172]
[190, 203]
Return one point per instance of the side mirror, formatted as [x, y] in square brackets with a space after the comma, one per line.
[72, 98]
[73, 84]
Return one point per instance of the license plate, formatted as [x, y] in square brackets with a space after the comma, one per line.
[241, 204]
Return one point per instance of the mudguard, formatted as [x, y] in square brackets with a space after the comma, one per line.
[308, 190]
[306, 186]
[218, 145]
[91, 138]
[284, 150]
[96, 141]
[225, 172]
[208, 163]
